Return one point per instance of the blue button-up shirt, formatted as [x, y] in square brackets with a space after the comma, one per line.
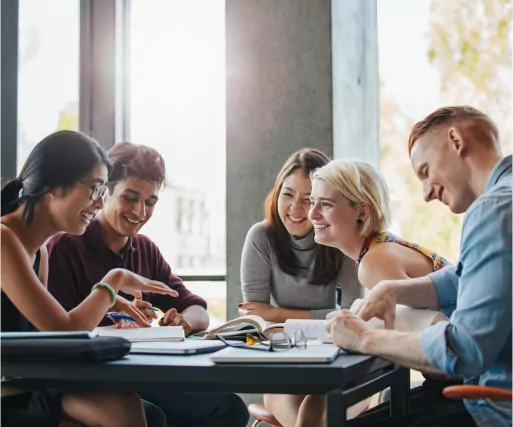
[476, 343]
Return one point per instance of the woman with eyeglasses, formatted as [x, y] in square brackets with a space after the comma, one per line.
[285, 274]
[61, 188]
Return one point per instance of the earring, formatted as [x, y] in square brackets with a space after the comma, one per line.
[359, 221]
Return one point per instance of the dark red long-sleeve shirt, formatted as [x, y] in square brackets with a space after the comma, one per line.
[76, 263]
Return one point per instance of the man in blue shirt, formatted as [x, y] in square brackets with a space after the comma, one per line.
[455, 153]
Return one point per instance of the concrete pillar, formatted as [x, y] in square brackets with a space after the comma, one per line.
[300, 73]
[355, 80]
[282, 96]
[9, 12]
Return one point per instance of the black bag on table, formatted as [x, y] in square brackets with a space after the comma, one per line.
[64, 350]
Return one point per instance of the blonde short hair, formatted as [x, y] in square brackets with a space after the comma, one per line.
[360, 182]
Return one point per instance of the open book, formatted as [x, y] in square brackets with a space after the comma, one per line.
[155, 333]
[407, 320]
[241, 326]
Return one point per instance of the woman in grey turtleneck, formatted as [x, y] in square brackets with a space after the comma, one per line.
[284, 273]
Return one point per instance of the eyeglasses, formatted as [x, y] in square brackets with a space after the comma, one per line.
[97, 190]
[278, 341]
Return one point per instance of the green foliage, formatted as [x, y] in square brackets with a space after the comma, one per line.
[469, 45]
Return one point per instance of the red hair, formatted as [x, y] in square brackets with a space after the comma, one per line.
[449, 116]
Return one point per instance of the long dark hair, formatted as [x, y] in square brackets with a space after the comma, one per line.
[59, 160]
[328, 261]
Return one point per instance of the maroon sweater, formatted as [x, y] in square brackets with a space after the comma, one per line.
[76, 263]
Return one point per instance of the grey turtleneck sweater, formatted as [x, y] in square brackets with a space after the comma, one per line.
[263, 280]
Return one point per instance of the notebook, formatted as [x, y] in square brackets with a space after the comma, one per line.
[187, 346]
[407, 320]
[324, 353]
[43, 335]
[157, 333]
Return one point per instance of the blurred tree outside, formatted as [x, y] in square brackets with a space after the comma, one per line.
[68, 117]
[470, 46]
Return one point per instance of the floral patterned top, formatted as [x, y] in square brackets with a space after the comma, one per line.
[438, 261]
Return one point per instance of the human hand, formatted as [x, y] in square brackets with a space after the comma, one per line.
[347, 330]
[125, 324]
[265, 311]
[146, 308]
[133, 309]
[133, 284]
[173, 318]
[380, 302]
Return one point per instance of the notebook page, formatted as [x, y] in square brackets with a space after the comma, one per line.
[312, 328]
[157, 333]
[407, 319]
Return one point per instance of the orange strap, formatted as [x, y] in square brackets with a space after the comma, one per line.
[473, 392]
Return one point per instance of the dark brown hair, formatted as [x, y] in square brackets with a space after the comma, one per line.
[451, 115]
[59, 160]
[136, 160]
[328, 261]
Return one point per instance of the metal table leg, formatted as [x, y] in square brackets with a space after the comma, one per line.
[335, 409]
[400, 392]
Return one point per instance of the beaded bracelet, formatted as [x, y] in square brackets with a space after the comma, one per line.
[111, 290]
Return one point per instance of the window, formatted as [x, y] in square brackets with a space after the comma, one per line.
[454, 54]
[177, 106]
[48, 70]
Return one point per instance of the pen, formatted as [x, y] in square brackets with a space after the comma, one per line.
[120, 317]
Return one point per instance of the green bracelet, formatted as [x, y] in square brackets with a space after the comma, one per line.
[111, 290]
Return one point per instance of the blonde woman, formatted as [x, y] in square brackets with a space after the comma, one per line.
[350, 211]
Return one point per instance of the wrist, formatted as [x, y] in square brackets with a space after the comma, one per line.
[367, 339]
[401, 290]
[278, 315]
[109, 289]
[393, 289]
[274, 314]
[115, 278]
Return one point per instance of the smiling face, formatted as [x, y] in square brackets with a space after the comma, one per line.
[436, 158]
[293, 203]
[334, 217]
[130, 205]
[72, 209]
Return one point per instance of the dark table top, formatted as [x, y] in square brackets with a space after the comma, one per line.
[198, 373]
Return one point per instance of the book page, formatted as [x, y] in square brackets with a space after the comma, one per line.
[249, 322]
[407, 319]
[273, 327]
